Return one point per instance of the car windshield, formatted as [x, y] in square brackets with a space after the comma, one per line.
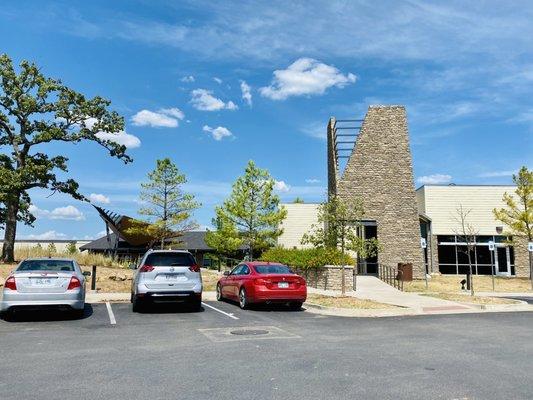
[169, 259]
[46, 265]
[272, 269]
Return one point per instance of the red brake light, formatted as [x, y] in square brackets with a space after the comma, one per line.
[262, 281]
[195, 268]
[146, 268]
[10, 283]
[74, 283]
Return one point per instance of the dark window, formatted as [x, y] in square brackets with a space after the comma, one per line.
[484, 270]
[244, 270]
[483, 255]
[462, 255]
[446, 255]
[169, 259]
[463, 269]
[447, 269]
[272, 269]
[46, 265]
[446, 239]
[484, 239]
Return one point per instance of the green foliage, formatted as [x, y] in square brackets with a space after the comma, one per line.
[298, 200]
[168, 208]
[518, 215]
[338, 225]
[225, 239]
[36, 111]
[307, 258]
[252, 210]
[71, 248]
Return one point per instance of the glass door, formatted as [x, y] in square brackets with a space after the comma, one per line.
[503, 261]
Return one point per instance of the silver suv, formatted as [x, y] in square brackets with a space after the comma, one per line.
[166, 276]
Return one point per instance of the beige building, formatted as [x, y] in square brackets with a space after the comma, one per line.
[444, 249]
[445, 252]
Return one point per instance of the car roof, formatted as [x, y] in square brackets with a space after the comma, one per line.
[258, 263]
[48, 259]
[168, 251]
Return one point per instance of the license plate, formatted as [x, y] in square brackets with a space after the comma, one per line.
[283, 285]
[42, 281]
[173, 277]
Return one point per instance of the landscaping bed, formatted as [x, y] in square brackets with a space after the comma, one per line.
[451, 284]
[346, 302]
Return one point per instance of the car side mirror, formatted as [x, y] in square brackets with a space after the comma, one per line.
[86, 273]
[133, 266]
[226, 273]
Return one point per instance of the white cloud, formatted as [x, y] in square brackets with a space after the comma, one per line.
[165, 117]
[217, 133]
[217, 80]
[246, 93]
[123, 138]
[316, 130]
[99, 198]
[498, 174]
[305, 76]
[203, 100]
[64, 213]
[188, 79]
[48, 235]
[281, 186]
[434, 179]
[312, 180]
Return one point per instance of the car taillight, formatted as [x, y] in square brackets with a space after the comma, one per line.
[195, 268]
[10, 283]
[146, 268]
[74, 283]
[262, 281]
[301, 281]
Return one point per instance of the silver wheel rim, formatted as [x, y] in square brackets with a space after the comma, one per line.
[219, 296]
[242, 299]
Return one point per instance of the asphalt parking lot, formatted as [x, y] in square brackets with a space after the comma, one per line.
[267, 353]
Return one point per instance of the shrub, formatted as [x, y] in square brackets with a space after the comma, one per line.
[307, 258]
[71, 248]
[82, 258]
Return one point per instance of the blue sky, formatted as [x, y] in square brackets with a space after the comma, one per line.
[214, 84]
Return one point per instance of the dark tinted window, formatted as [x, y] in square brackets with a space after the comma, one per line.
[272, 269]
[169, 259]
[46, 265]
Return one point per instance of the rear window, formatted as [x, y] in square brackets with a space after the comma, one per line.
[46, 265]
[272, 269]
[169, 259]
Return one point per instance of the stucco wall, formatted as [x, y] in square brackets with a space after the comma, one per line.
[300, 218]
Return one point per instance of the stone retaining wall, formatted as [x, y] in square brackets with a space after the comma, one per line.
[328, 277]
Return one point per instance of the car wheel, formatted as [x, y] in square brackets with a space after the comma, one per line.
[219, 293]
[196, 305]
[131, 297]
[296, 306]
[243, 300]
[138, 305]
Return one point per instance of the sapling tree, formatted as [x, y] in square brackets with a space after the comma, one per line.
[466, 233]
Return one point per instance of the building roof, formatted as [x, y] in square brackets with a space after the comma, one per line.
[192, 240]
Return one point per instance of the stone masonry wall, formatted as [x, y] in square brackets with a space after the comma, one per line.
[521, 257]
[380, 172]
[328, 277]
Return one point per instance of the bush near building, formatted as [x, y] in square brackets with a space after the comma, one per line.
[307, 258]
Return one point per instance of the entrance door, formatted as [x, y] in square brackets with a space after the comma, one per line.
[370, 265]
[502, 261]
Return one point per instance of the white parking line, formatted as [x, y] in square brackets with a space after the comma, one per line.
[220, 311]
[112, 319]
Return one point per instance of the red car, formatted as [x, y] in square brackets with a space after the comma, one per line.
[262, 282]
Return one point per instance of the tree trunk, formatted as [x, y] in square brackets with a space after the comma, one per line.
[8, 249]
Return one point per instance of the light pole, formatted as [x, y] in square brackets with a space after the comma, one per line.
[491, 250]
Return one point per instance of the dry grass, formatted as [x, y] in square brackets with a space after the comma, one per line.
[465, 298]
[451, 284]
[83, 258]
[346, 302]
[118, 280]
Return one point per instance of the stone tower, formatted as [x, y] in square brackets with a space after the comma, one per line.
[379, 171]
